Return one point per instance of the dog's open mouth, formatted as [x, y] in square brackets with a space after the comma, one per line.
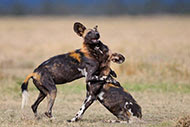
[95, 40]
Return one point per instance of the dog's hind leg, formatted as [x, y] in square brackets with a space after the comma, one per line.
[47, 87]
[52, 92]
[51, 100]
[88, 101]
[40, 98]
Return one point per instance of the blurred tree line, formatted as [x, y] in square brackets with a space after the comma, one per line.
[95, 7]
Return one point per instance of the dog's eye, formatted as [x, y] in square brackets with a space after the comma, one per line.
[89, 32]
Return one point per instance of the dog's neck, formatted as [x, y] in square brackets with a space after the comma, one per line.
[87, 50]
[99, 51]
[93, 49]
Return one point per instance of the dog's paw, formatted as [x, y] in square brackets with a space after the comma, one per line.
[69, 121]
[73, 120]
[38, 117]
[48, 114]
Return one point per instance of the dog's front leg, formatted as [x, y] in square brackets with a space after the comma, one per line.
[91, 68]
[88, 101]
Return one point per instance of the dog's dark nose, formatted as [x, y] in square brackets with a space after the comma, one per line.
[97, 35]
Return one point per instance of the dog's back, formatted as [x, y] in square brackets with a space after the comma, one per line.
[58, 67]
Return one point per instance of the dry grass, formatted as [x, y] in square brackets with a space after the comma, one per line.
[183, 122]
[156, 70]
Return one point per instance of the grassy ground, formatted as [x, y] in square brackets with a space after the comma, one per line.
[156, 71]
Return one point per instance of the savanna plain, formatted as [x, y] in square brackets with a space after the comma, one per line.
[156, 71]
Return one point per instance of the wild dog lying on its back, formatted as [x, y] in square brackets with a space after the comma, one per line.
[111, 94]
[65, 68]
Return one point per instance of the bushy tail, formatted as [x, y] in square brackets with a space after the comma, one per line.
[24, 89]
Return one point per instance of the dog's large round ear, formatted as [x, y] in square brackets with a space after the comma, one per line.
[117, 58]
[79, 28]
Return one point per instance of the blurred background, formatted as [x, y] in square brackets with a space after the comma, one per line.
[93, 7]
[153, 35]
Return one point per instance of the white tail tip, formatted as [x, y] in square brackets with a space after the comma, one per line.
[24, 98]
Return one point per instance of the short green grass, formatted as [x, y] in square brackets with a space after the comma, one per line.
[162, 87]
[79, 86]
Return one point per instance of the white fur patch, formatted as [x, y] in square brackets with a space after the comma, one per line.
[125, 106]
[83, 71]
[89, 98]
[79, 113]
[126, 103]
[98, 48]
[103, 77]
[73, 119]
[130, 111]
[96, 77]
[100, 95]
[25, 96]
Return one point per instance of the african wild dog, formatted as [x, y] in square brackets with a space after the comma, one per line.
[111, 94]
[65, 68]
[119, 102]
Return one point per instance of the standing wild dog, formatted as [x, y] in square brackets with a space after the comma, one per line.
[65, 68]
[110, 93]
